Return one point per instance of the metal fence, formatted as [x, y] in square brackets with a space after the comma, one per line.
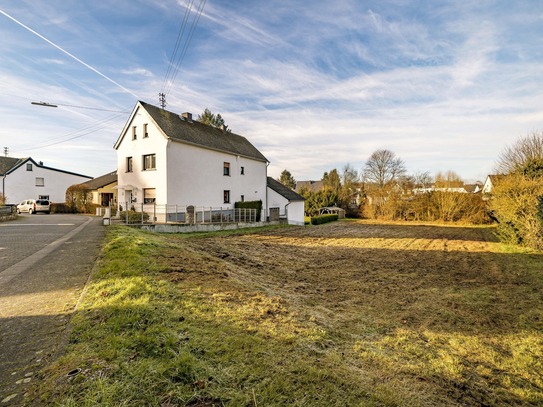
[189, 215]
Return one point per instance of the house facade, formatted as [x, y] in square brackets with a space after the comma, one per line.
[164, 158]
[103, 189]
[24, 178]
[285, 203]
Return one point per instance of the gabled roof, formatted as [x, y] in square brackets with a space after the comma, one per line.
[7, 163]
[284, 191]
[10, 164]
[313, 186]
[180, 129]
[102, 181]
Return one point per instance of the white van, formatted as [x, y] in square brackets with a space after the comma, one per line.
[34, 206]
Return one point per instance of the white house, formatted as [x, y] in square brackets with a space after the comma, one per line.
[24, 178]
[490, 183]
[283, 202]
[167, 158]
[103, 189]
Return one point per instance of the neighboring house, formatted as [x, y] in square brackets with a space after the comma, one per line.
[312, 186]
[103, 189]
[467, 188]
[283, 202]
[167, 158]
[24, 178]
[490, 183]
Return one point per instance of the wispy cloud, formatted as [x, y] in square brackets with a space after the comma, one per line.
[67, 53]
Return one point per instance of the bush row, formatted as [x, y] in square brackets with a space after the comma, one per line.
[319, 220]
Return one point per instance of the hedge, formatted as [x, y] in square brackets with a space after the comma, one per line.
[318, 220]
[250, 205]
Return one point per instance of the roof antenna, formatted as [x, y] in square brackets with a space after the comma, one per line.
[162, 100]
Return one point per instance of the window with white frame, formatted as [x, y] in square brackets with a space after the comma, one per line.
[145, 131]
[29, 167]
[134, 133]
[149, 162]
[129, 167]
[40, 182]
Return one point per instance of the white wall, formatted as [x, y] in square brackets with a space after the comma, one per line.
[21, 184]
[154, 144]
[294, 210]
[196, 177]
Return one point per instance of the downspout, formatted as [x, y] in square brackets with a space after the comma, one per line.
[286, 210]
[4, 188]
[266, 214]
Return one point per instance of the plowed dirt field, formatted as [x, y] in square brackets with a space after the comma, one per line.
[420, 314]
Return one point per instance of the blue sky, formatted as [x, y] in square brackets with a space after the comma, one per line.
[446, 85]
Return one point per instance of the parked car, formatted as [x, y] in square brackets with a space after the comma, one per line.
[34, 206]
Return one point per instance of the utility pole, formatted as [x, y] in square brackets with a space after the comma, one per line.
[162, 100]
[6, 151]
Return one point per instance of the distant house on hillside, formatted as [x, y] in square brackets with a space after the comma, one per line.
[312, 186]
[103, 189]
[490, 183]
[285, 203]
[464, 189]
[165, 158]
[24, 178]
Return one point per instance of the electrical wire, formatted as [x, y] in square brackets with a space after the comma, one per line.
[176, 46]
[169, 81]
[91, 128]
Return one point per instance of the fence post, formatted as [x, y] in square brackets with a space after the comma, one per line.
[154, 212]
[126, 212]
[142, 213]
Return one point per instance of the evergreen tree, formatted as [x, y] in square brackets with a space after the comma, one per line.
[287, 179]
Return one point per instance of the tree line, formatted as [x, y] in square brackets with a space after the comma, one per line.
[383, 190]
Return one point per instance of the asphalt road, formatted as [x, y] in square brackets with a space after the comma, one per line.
[45, 261]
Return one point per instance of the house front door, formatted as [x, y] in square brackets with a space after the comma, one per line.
[128, 198]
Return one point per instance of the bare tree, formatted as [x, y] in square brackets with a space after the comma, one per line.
[383, 167]
[449, 179]
[525, 157]
[422, 179]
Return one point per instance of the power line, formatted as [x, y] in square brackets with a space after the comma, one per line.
[176, 46]
[177, 65]
[91, 128]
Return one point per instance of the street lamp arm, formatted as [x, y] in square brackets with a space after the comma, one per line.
[43, 104]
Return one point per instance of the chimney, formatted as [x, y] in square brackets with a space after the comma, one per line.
[187, 116]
